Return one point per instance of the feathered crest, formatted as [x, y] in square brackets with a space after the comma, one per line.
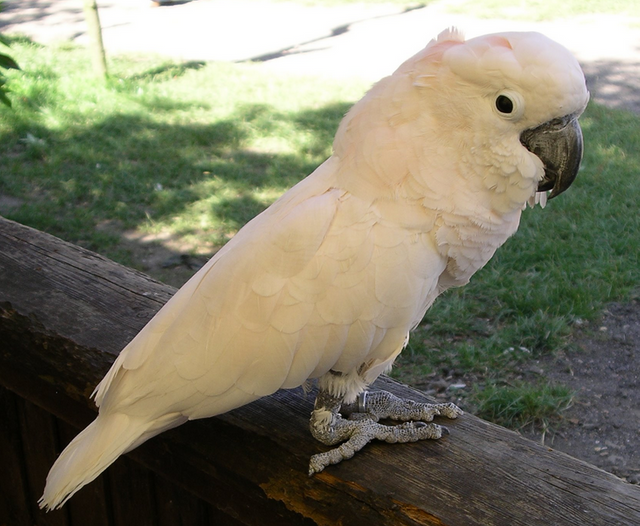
[450, 34]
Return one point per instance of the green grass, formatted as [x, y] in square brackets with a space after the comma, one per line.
[523, 404]
[539, 10]
[190, 152]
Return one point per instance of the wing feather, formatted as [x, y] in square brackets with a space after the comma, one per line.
[320, 281]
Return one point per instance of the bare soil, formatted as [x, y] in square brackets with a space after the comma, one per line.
[603, 424]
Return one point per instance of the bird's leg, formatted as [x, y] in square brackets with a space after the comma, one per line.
[361, 427]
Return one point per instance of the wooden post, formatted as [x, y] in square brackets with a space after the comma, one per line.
[66, 312]
[95, 34]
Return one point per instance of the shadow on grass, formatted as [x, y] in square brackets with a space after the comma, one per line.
[614, 83]
[129, 171]
[169, 70]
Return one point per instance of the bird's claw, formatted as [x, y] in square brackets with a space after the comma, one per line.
[364, 431]
[382, 404]
[361, 426]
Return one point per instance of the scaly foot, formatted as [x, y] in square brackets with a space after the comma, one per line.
[329, 427]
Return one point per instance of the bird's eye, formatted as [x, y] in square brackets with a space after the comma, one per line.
[504, 104]
[509, 105]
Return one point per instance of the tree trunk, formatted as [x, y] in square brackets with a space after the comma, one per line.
[95, 34]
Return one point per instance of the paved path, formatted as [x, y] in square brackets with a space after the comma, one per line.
[367, 40]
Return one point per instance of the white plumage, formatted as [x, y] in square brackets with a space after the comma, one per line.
[428, 178]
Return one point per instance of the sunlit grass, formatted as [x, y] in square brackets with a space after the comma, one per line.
[190, 149]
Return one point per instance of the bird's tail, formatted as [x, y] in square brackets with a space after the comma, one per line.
[95, 449]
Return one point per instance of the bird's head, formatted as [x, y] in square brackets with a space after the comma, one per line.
[510, 88]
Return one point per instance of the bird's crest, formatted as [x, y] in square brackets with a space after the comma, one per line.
[451, 34]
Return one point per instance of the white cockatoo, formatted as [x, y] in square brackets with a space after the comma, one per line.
[430, 173]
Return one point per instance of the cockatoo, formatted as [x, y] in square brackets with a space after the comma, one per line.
[429, 175]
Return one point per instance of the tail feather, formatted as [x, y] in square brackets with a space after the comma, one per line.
[94, 450]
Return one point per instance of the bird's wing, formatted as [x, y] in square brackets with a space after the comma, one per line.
[188, 334]
[321, 281]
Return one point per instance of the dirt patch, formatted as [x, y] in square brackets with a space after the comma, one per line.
[166, 265]
[603, 424]
[8, 204]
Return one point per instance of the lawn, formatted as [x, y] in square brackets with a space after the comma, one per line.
[191, 151]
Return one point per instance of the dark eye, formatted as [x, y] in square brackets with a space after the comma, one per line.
[504, 104]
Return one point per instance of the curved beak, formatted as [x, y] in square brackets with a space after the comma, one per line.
[558, 144]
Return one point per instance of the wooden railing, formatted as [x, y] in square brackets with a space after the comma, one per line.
[65, 313]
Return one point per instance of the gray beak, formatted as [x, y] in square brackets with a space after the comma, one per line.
[558, 144]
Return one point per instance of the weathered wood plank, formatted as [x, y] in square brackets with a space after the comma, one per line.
[39, 444]
[14, 497]
[64, 315]
[177, 507]
[132, 494]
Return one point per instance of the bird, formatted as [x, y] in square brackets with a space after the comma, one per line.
[429, 175]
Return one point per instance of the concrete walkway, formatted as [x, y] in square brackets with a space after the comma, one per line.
[366, 40]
